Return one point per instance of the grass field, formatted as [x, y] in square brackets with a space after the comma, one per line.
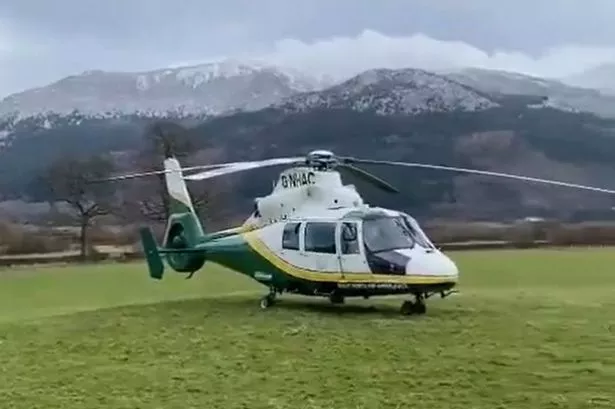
[531, 329]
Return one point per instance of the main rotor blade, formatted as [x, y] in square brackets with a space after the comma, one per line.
[365, 175]
[241, 166]
[159, 172]
[480, 172]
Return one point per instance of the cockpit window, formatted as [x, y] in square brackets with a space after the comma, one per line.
[418, 234]
[387, 233]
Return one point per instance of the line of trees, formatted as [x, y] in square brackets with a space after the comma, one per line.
[76, 182]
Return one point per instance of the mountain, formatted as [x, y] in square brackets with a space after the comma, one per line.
[207, 89]
[601, 77]
[558, 94]
[406, 115]
[391, 92]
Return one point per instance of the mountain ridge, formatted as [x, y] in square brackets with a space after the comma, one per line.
[231, 85]
[205, 89]
[391, 91]
[558, 94]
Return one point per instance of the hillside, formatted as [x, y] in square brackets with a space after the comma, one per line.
[409, 115]
[558, 94]
[543, 143]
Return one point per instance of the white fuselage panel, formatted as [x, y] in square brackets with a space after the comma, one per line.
[304, 192]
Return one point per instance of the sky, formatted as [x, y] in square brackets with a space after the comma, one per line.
[44, 40]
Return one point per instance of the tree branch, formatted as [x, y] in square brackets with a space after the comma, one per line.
[68, 181]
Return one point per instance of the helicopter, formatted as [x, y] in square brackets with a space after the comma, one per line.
[312, 235]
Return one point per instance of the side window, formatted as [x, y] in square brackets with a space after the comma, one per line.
[349, 238]
[290, 236]
[320, 237]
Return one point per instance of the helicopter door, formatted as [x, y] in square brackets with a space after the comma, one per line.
[351, 256]
[319, 247]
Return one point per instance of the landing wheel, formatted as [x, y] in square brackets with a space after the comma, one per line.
[420, 308]
[419, 304]
[407, 308]
[410, 308]
[267, 301]
[336, 299]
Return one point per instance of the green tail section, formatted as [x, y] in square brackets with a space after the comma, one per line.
[184, 231]
[152, 256]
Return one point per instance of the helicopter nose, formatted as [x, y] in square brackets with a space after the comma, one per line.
[432, 264]
[447, 266]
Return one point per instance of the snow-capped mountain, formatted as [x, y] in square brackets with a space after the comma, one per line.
[207, 89]
[388, 91]
[601, 77]
[560, 95]
[504, 82]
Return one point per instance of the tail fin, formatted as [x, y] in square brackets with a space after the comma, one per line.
[182, 214]
[179, 197]
[152, 256]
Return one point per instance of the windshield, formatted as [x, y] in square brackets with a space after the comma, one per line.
[418, 234]
[387, 233]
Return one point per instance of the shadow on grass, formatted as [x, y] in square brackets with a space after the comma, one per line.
[247, 305]
[376, 307]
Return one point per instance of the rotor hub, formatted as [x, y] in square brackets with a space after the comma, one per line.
[321, 159]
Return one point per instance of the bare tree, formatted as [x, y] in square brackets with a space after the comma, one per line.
[162, 140]
[69, 180]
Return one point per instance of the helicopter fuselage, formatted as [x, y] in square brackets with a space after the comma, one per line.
[345, 251]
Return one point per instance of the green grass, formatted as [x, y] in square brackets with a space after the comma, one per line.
[531, 329]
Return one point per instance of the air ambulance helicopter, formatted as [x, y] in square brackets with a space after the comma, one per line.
[312, 235]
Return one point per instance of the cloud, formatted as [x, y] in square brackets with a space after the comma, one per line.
[6, 48]
[344, 56]
[31, 62]
[6, 40]
[48, 40]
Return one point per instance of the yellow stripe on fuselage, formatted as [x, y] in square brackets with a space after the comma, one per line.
[258, 246]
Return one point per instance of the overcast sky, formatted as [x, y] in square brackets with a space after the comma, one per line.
[44, 40]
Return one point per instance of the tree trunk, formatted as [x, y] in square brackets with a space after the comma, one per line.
[83, 239]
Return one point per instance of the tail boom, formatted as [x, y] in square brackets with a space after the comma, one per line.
[183, 260]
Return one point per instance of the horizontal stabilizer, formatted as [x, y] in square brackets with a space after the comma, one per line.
[181, 251]
[152, 256]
